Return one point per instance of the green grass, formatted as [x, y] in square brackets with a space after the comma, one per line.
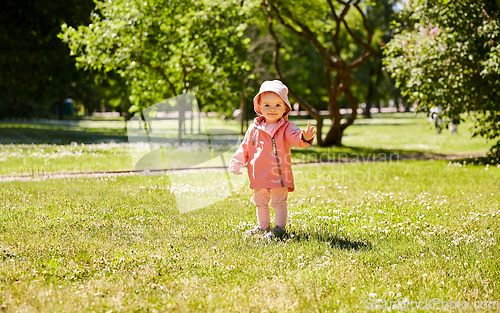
[62, 132]
[405, 132]
[36, 159]
[398, 133]
[93, 145]
[358, 232]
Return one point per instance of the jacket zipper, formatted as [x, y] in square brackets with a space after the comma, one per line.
[275, 153]
[278, 162]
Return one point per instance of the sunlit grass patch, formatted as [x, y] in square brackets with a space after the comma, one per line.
[46, 158]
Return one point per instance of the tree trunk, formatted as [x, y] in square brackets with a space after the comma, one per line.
[181, 122]
[354, 108]
[334, 136]
[406, 104]
[332, 60]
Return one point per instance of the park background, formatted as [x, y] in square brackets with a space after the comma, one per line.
[393, 203]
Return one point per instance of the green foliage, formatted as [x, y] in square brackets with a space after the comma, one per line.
[301, 62]
[371, 75]
[448, 55]
[36, 69]
[163, 49]
[340, 38]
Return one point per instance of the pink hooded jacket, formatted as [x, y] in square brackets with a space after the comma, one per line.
[268, 155]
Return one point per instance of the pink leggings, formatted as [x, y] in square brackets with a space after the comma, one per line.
[278, 198]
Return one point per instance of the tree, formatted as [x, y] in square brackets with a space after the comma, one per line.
[37, 71]
[97, 90]
[448, 55]
[166, 48]
[373, 83]
[335, 29]
[295, 62]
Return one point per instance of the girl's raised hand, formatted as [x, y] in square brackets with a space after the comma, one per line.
[308, 133]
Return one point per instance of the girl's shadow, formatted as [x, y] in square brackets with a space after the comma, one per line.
[333, 239]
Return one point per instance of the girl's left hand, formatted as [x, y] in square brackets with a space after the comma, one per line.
[308, 134]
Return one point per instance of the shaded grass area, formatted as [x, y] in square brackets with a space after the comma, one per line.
[350, 154]
[357, 233]
[489, 160]
[62, 133]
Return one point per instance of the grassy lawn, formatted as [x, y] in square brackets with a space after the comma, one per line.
[397, 133]
[404, 131]
[94, 145]
[358, 234]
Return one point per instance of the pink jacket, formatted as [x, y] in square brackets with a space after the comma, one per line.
[268, 155]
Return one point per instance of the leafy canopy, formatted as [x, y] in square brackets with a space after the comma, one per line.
[36, 70]
[165, 48]
[448, 55]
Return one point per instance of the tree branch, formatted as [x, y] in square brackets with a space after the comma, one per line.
[338, 20]
[157, 69]
[333, 10]
[354, 108]
[306, 33]
[365, 23]
[303, 103]
[364, 44]
[282, 20]
[184, 72]
[358, 62]
[368, 30]
[368, 49]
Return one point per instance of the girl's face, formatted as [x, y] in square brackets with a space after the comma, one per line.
[272, 107]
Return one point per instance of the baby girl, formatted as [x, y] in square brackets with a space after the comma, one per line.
[266, 151]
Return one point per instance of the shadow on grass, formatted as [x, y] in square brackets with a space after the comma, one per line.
[59, 136]
[479, 161]
[345, 153]
[400, 115]
[362, 150]
[361, 123]
[334, 240]
[303, 123]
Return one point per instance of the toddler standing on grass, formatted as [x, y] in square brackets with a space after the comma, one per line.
[266, 150]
